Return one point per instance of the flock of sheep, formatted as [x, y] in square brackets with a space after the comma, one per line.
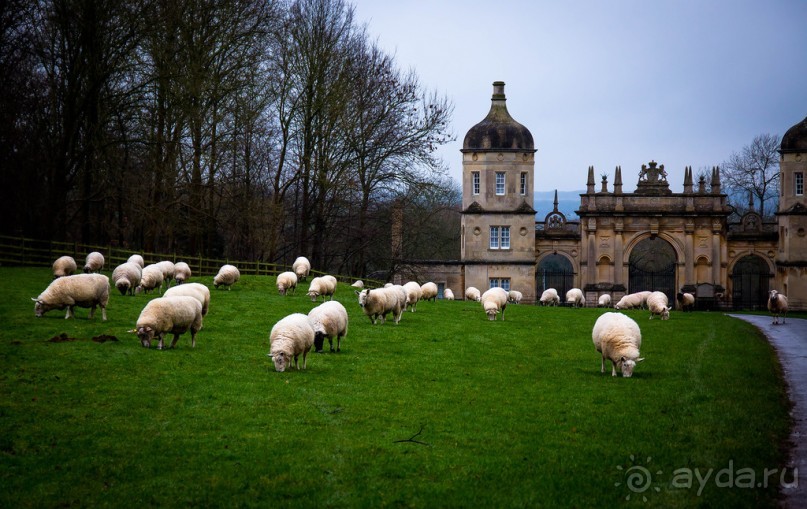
[182, 307]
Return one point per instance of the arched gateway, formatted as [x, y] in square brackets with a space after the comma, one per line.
[652, 267]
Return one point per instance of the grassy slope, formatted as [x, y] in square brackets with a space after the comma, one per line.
[512, 413]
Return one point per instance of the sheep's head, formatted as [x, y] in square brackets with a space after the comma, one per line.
[627, 365]
[281, 361]
[319, 341]
[145, 334]
[40, 308]
[313, 294]
[665, 315]
[123, 286]
[491, 310]
[363, 297]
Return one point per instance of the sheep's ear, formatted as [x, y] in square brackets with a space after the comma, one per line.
[33, 299]
[640, 359]
[623, 359]
[357, 292]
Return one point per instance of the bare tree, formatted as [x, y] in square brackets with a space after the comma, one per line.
[754, 172]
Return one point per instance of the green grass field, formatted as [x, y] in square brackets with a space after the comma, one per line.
[446, 409]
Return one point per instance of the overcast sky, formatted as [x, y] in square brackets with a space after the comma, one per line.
[610, 82]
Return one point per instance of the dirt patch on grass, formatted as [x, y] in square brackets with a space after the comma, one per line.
[61, 338]
[103, 338]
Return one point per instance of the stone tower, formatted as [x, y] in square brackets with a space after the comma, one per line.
[498, 219]
[791, 258]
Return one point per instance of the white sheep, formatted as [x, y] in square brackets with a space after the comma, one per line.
[575, 298]
[658, 304]
[413, 295]
[136, 258]
[286, 283]
[175, 315]
[514, 296]
[378, 303]
[182, 272]
[494, 301]
[196, 290]
[618, 338]
[630, 301]
[126, 277]
[549, 297]
[604, 301]
[448, 294]
[686, 301]
[472, 293]
[150, 278]
[777, 305]
[358, 284]
[329, 320]
[644, 295]
[94, 262]
[228, 275]
[82, 290]
[168, 269]
[428, 291]
[301, 267]
[64, 266]
[290, 337]
[324, 286]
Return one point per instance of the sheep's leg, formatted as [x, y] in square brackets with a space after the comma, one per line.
[330, 342]
[69, 312]
[193, 337]
[613, 368]
[602, 364]
[160, 343]
[103, 313]
[305, 354]
[174, 341]
[338, 343]
[92, 312]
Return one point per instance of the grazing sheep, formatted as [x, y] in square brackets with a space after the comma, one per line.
[182, 272]
[514, 296]
[618, 338]
[291, 336]
[472, 293]
[168, 269]
[428, 291]
[448, 294]
[413, 295]
[197, 290]
[136, 258]
[64, 266]
[94, 262]
[550, 297]
[630, 301]
[686, 301]
[358, 284]
[658, 304]
[329, 320]
[301, 267]
[644, 295]
[228, 276]
[324, 286]
[175, 315]
[777, 304]
[494, 301]
[378, 303]
[82, 290]
[286, 282]
[604, 301]
[151, 278]
[126, 277]
[575, 298]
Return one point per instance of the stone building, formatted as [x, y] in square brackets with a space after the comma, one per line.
[651, 238]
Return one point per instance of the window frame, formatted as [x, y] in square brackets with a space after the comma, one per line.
[798, 183]
[476, 183]
[499, 282]
[499, 237]
[523, 183]
[502, 184]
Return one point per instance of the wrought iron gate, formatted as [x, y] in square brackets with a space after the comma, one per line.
[562, 281]
[750, 283]
[662, 280]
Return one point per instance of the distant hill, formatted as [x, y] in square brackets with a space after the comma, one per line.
[568, 202]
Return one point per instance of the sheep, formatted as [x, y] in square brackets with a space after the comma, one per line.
[378, 303]
[64, 266]
[291, 336]
[168, 269]
[686, 301]
[151, 278]
[630, 301]
[549, 297]
[575, 298]
[176, 315]
[428, 291]
[448, 294]
[82, 290]
[324, 286]
[358, 284]
[228, 275]
[197, 290]
[182, 272]
[644, 295]
[126, 277]
[494, 301]
[604, 301]
[657, 303]
[94, 262]
[413, 295]
[514, 296]
[618, 338]
[472, 293]
[329, 320]
[136, 258]
[301, 267]
[286, 283]
[777, 305]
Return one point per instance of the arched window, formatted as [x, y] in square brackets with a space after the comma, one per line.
[604, 273]
[652, 267]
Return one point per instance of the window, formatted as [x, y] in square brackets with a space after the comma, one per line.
[475, 183]
[499, 183]
[503, 283]
[799, 183]
[523, 183]
[499, 237]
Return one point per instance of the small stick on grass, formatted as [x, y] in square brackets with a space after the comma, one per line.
[412, 438]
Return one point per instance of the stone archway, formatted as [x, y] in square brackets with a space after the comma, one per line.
[651, 266]
[554, 271]
[750, 283]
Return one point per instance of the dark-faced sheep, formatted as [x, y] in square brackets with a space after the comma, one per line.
[777, 305]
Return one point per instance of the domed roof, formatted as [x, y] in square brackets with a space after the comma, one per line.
[498, 132]
[795, 139]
